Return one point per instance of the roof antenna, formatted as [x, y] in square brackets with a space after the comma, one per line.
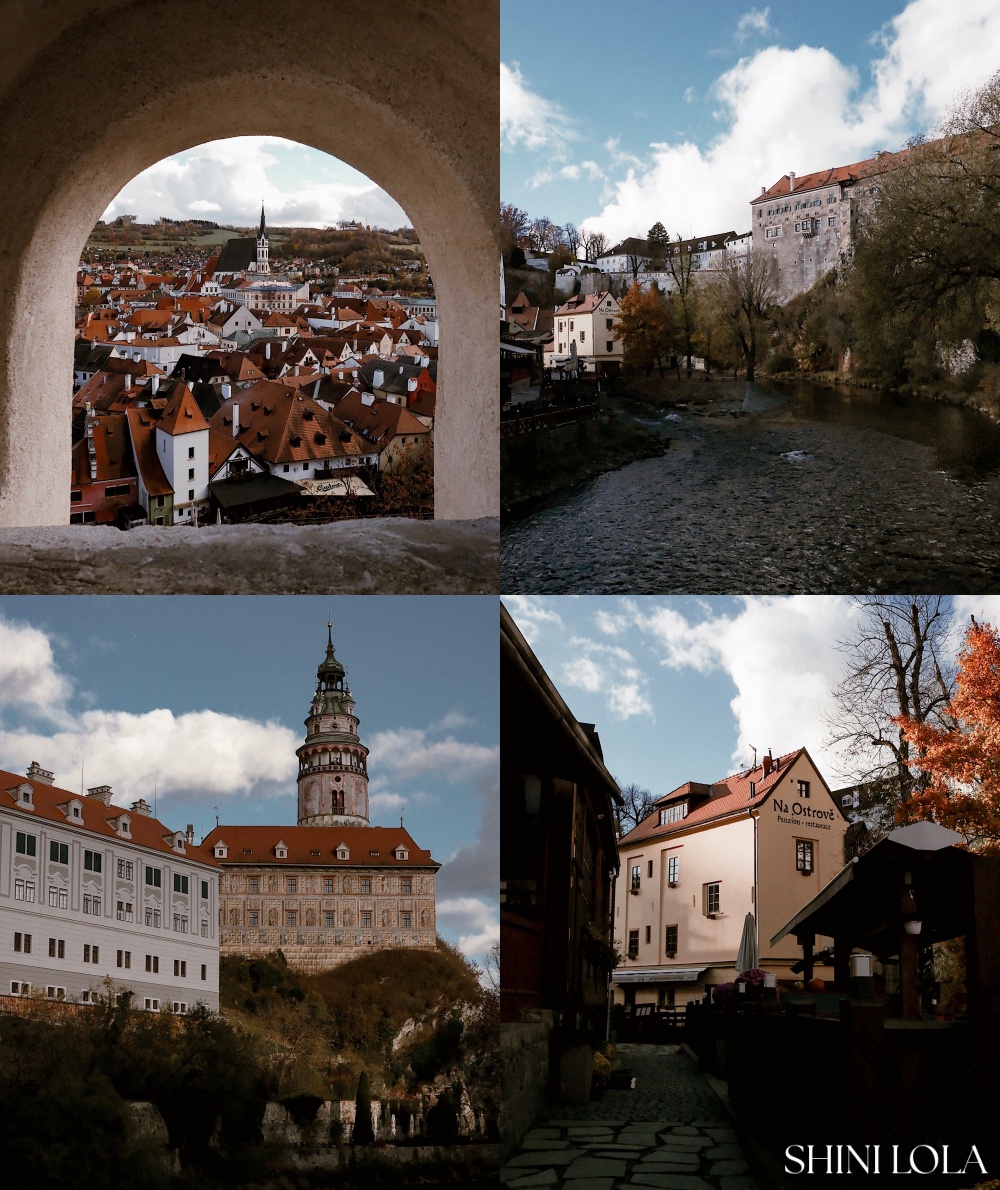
[754, 756]
[401, 822]
[216, 809]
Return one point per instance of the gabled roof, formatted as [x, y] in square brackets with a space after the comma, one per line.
[584, 303]
[141, 423]
[709, 803]
[302, 841]
[181, 415]
[96, 817]
[283, 425]
[380, 420]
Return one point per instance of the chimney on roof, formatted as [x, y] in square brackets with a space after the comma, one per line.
[189, 834]
[763, 191]
[267, 350]
[142, 807]
[236, 420]
[791, 183]
[767, 763]
[154, 385]
[128, 381]
[37, 773]
[411, 384]
[378, 378]
[102, 793]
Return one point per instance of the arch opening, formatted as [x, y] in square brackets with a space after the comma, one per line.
[307, 345]
[426, 136]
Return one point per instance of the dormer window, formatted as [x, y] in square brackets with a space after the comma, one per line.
[402, 853]
[23, 795]
[673, 813]
[122, 826]
[281, 850]
[221, 850]
[343, 851]
[176, 841]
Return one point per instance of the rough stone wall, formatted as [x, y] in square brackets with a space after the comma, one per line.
[416, 108]
[524, 1057]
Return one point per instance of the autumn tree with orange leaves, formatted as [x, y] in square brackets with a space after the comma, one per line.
[961, 763]
[645, 327]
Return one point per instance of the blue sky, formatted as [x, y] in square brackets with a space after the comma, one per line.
[683, 688]
[203, 699]
[621, 114]
[225, 180]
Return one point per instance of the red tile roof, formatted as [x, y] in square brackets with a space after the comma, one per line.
[302, 841]
[826, 177]
[112, 450]
[709, 803]
[182, 415]
[96, 818]
[143, 434]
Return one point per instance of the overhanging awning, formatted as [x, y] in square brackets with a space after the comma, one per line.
[660, 975]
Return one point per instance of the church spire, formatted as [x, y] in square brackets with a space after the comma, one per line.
[262, 234]
[262, 264]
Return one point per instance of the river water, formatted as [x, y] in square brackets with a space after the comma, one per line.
[823, 490]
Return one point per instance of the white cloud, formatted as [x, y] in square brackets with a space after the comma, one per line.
[753, 21]
[529, 120]
[529, 613]
[29, 678]
[582, 673]
[802, 109]
[227, 179]
[473, 920]
[198, 753]
[610, 668]
[779, 652]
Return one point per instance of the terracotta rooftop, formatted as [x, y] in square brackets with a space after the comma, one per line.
[369, 846]
[825, 177]
[95, 817]
[182, 415]
[707, 803]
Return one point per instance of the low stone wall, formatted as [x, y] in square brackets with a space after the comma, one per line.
[471, 1157]
[524, 1058]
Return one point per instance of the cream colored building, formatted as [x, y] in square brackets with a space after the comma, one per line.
[763, 841]
[587, 324]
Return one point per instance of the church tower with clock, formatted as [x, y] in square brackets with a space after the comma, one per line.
[333, 763]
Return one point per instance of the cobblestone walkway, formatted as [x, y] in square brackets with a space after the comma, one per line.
[671, 1133]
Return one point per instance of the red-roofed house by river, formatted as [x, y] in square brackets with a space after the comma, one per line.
[763, 841]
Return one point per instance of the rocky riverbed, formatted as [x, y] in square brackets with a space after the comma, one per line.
[820, 492]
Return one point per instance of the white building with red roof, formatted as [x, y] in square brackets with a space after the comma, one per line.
[763, 842]
[333, 887]
[584, 328]
[96, 896]
[806, 223]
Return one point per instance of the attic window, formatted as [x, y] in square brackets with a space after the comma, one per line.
[319, 438]
[401, 853]
[314, 853]
[343, 853]
[248, 851]
[296, 441]
[221, 850]
[673, 813]
[307, 414]
[373, 853]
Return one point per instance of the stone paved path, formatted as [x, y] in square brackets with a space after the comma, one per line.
[670, 1133]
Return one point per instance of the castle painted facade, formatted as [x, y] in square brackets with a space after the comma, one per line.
[333, 887]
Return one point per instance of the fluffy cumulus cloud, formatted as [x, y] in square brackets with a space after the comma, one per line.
[531, 614]
[803, 110]
[29, 679]
[199, 753]
[225, 180]
[611, 668]
[529, 120]
[779, 652]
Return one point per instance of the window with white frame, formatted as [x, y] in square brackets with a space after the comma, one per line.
[673, 869]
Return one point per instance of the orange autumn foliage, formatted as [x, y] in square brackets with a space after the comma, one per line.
[961, 764]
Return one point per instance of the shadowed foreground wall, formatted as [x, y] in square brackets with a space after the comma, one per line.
[94, 91]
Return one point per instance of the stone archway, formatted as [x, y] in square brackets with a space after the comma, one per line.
[411, 100]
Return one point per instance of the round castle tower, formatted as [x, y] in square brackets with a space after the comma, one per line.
[333, 763]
